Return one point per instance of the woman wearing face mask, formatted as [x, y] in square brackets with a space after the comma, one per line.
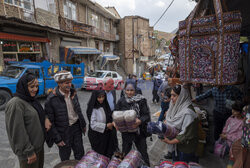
[25, 123]
[181, 115]
[133, 101]
[101, 133]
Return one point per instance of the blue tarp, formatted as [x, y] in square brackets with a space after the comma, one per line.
[66, 53]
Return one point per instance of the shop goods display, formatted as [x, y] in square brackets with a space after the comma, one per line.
[162, 129]
[132, 160]
[209, 46]
[114, 162]
[93, 160]
[125, 120]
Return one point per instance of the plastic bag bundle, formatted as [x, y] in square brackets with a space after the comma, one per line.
[118, 118]
[166, 164]
[114, 162]
[132, 160]
[93, 160]
[162, 129]
[130, 119]
[193, 165]
[171, 132]
[180, 165]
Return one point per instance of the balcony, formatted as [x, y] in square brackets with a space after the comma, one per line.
[75, 27]
[103, 35]
[84, 29]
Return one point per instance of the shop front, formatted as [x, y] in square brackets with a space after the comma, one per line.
[79, 54]
[18, 47]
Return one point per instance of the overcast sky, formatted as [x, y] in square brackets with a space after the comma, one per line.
[152, 9]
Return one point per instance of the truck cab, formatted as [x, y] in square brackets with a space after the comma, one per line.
[44, 72]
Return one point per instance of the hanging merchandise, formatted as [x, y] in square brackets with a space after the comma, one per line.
[209, 46]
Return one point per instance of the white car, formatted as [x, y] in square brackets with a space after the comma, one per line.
[95, 80]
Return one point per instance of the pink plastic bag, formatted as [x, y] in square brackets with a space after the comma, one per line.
[166, 164]
[220, 148]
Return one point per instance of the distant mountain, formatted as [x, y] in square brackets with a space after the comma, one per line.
[164, 35]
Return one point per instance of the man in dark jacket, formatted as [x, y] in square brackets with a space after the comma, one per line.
[64, 112]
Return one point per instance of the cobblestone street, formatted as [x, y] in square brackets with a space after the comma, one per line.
[9, 160]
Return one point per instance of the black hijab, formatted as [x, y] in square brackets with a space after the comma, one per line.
[23, 93]
[93, 103]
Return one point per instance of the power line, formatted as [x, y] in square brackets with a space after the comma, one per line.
[163, 13]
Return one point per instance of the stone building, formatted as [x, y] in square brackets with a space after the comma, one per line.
[136, 43]
[73, 31]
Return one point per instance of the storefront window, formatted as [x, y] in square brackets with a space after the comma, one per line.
[9, 46]
[25, 47]
[36, 47]
[31, 57]
[9, 57]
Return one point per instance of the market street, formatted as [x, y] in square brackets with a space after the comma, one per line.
[8, 159]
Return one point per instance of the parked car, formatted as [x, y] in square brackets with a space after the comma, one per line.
[95, 80]
[44, 72]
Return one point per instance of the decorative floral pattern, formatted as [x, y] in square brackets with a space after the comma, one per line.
[213, 53]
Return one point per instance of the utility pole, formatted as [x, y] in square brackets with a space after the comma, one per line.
[133, 49]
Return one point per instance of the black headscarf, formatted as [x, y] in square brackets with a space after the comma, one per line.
[23, 93]
[93, 103]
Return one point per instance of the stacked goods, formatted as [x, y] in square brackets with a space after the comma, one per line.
[132, 160]
[162, 129]
[130, 119]
[114, 162]
[166, 164]
[180, 165]
[118, 118]
[93, 160]
[125, 120]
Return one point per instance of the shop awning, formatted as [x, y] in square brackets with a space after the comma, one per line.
[7, 36]
[84, 50]
[106, 58]
[70, 51]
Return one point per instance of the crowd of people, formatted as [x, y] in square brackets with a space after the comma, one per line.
[61, 121]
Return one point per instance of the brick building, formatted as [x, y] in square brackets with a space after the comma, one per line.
[50, 29]
[136, 43]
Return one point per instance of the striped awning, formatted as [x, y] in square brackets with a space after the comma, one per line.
[15, 37]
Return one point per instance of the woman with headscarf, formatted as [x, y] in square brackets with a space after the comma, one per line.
[133, 101]
[101, 133]
[182, 116]
[137, 89]
[25, 123]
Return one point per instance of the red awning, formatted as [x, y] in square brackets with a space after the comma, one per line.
[8, 36]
